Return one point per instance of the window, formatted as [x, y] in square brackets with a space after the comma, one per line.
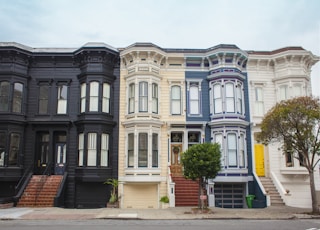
[81, 149]
[104, 149]
[143, 97]
[92, 149]
[258, 102]
[94, 96]
[232, 149]
[83, 98]
[242, 151]
[106, 98]
[194, 138]
[218, 138]
[17, 97]
[227, 97]
[3, 142]
[44, 148]
[217, 99]
[194, 99]
[154, 98]
[283, 92]
[14, 149]
[62, 99]
[297, 90]
[230, 97]
[43, 98]
[131, 97]
[130, 150]
[143, 150]
[175, 100]
[239, 99]
[155, 156]
[4, 96]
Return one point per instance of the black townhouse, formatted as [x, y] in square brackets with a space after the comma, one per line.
[59, 116]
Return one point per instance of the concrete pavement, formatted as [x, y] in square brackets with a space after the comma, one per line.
[273, 212]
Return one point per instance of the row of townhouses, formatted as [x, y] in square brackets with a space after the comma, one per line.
[71, 119]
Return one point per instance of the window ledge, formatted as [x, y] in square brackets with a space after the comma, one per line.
[294, 171]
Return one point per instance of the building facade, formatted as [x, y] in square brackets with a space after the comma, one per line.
[58, 116]
[274, 76]
[95, 113]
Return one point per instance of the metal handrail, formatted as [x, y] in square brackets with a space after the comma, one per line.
[60, 194]
[22, 184]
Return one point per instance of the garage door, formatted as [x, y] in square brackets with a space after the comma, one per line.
[229, 195]
[140, 196]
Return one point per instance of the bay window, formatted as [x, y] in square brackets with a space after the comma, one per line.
[143, 96]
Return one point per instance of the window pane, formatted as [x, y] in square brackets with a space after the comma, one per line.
[232, 149]
[62, 99]
[296, 90]
[242, 157]
[4, 96]
[258, 105]
[219, 140]
[154, 98]
[17, 98]
[43, 99]
[94, 96]
[230, 98]
[80, 147]
[106, 98]
[104, 149]
[194, 99]
[92, 149]
[176, 100]
[283, 93]
[217, 99]
[131, 98]
[155, 150]
[239, 97]
[130, 150]
[3, 141]
[83, 98]
[143, 97]
[143, 150]
[14, 149]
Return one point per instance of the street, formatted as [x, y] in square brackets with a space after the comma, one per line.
[99, 224]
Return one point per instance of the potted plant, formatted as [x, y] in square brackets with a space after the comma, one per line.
[164, 201]
[114, 199]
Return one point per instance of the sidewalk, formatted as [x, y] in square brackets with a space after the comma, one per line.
[274, 212]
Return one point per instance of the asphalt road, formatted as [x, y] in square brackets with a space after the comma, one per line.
[296, 224]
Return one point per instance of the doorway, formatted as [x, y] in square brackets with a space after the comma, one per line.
[51, 153]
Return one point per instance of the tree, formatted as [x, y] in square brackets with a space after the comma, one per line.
[201, 162]
[296, 124]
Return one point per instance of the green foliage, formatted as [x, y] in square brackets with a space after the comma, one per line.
[164, 199]
[114, 183]
[201, 161]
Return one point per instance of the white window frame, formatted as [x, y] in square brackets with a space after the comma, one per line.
[131, 98]
[83, 94]
[104, 152]
[106, 98]
[176, 100]
[92, 149]
[155, 98]
[194, 97]
[143, 96]
[62, 98]
[94, 96]
[258, 101]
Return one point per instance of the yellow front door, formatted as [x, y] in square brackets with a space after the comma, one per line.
[259, 157]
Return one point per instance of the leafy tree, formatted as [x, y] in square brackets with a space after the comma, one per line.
[200, 162]
[296, 124]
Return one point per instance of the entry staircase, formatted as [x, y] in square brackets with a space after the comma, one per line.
[275, 198]
[40, 191]
[186, 191]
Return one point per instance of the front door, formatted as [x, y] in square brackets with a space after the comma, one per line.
[42, 164]
[259, 158]
[60, 158]
[176, 150]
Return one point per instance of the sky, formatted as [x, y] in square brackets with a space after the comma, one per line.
[249, 24]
